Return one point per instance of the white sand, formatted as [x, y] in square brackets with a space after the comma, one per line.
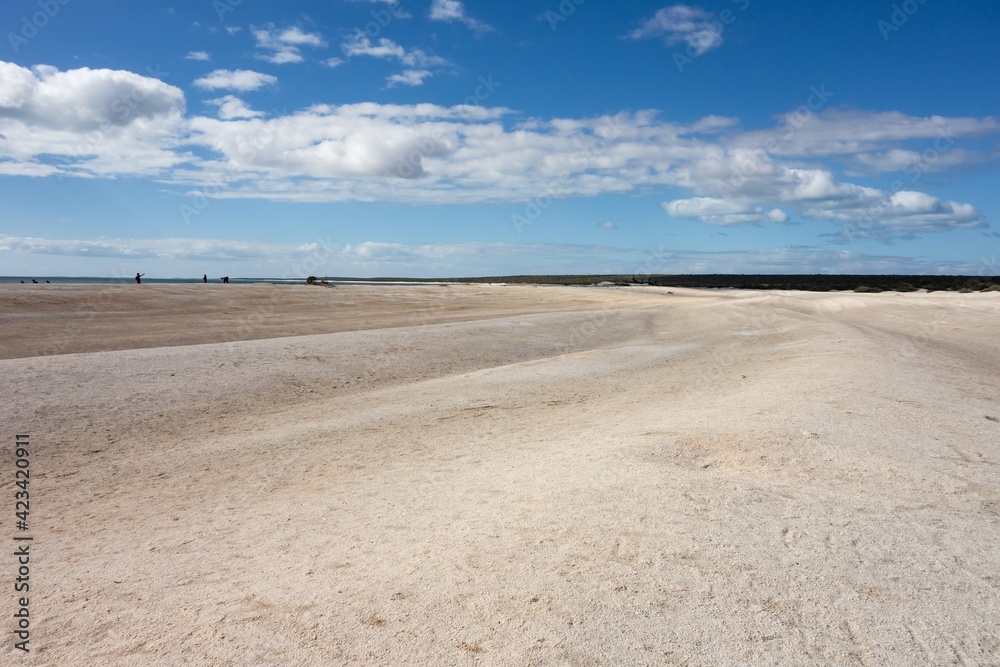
[505, 475]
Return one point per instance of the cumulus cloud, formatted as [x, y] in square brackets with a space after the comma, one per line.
[241, 79]
[101, 123]
[682, 24]
[284, 46]
[324, 142]
[417, 61]
[739, 177]
[198, 55]
[905, 213]
[410, 77]
[454, 10]
[87, 122]
[231, 107]
[360, 44]
[432, 154]
[84, 98]
[720, 212]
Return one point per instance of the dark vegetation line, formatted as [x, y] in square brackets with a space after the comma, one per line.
[811, 282]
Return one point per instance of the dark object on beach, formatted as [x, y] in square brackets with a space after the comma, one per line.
[225, 279]
[46, 281]
[204, 278]
[34, 281]
[138, 276]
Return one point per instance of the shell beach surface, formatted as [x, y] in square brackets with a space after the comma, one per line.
[505, 475]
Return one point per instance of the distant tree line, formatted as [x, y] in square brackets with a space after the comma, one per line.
[840, 282]
[810, 282]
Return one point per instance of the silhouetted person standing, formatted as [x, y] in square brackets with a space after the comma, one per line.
[204, 278]
[138, 277]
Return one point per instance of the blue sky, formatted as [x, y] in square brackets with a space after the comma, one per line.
[445, 138]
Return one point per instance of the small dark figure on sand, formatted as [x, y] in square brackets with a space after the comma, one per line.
[138, 277]
[34, 281]
[204, 278]
[225, 279]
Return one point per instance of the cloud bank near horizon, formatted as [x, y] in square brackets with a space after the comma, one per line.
[326, 257]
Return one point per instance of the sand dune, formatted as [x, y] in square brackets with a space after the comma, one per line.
[507, 475]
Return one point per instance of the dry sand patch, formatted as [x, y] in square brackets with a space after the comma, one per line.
[628, 478]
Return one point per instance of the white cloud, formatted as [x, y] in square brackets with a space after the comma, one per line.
[904, 213]
[417, 61]
[173, 248]
[104, 123]
[454, 10]
[12, 168]
[316, 257]
[427, 154]
[198, 55]
[241, 79]
[410, 77]
[83, 98]
[719, 212]
[231, 107]
[607, 224]
[848, 132]
[333, 62]
[915, 162]
[87, 123]
[682, 24]
[456, 259]
[360, 44]
[19, 85]
[299, 38]
[283, 46]
[447, 10]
